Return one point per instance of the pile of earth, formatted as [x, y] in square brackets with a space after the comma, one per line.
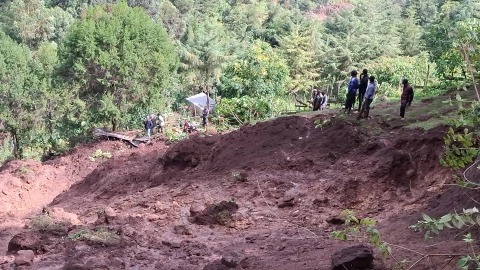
[262, 197]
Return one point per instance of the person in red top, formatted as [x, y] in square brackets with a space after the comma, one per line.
[406, 98]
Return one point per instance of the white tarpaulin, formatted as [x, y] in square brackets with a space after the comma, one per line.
[200, 101]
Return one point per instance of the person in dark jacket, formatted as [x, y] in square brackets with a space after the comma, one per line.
[362, 88]
[154, 123]
[406, 98]
[369, 96]
[352, 91]
[316, 100]
[205, 114]
[148, 125]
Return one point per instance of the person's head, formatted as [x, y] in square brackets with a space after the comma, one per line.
[354, 73]
[152, 116]
[315, 91]
[365, 72]
[372, 79]
[323, 93]
[404, 81]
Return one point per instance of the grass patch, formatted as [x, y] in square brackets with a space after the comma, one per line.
[430, 124]
[100, 236]
[100, 154]
[44, 223]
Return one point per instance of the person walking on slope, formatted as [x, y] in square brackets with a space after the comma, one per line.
[323, 104]
[161, 123]
[369, 96]
[362, 88]
[148, 125]
[406, 98]
[352, 92]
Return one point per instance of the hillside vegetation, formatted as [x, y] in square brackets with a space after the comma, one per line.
[67, 66]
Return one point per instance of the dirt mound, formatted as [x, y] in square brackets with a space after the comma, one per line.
[291, 142]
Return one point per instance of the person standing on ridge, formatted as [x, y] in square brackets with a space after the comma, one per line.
[161, 123]
[352, 92]
[406, 98]
[362, 88]
[323, 104]
[369, 96]
[154, 123]
[205, 114]
[315, 100]
[148, 125]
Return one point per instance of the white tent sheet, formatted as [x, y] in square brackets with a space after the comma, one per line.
[200, 101]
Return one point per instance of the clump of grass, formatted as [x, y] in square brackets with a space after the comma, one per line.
[100, 154]
[100, 236]
[44, 223]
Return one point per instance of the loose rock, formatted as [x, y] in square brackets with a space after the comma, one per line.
[110, 214]
[234, 259]
[25, 241]
[358, 257]
[24, 257]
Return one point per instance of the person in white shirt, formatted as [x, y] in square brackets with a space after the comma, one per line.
[161, 123]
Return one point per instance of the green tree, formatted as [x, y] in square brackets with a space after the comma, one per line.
[259, 72]
[19, 92]
[32, 23]
[117, 58]
[298, 49]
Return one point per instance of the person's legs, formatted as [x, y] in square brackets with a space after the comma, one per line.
[402, 109]
[360, 100]
[368, 102]
[148, 132]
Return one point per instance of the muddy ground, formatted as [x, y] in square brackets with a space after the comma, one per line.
[261, 197]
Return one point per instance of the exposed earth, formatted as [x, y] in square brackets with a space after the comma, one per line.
[266, 196]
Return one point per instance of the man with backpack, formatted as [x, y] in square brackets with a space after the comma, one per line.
[362, 88]
[406, 98]
[352, 92]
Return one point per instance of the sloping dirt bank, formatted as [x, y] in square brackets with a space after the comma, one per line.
[261, 197]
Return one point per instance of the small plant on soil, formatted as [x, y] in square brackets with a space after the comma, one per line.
[224, 217]
[173, 136]
[100, 154]
[319, 123]
[361, 229]
[100, 236]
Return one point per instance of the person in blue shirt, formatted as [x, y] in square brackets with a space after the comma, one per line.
[369, 96]
[352, 92]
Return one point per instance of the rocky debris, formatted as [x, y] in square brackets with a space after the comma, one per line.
[160, 207]
[320, 202]
[358, 257]
[215, 265]
[59, 214]
[110, 214]
[234, 259]
[196, 208]
[24, 257]
[216, 214]
[172, 242]
[287, 203]
[25, 241]
[182, 230]
[241, 177]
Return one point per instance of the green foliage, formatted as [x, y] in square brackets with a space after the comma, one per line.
[259, 72]
[99, 236]
[173, 136]
[99, 154]
[361, 228]
[117, 58]
[244, 109]
[389, 72]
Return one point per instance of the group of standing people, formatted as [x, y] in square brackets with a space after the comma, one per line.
[319, 100]
[153, 124]
[366, 88]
